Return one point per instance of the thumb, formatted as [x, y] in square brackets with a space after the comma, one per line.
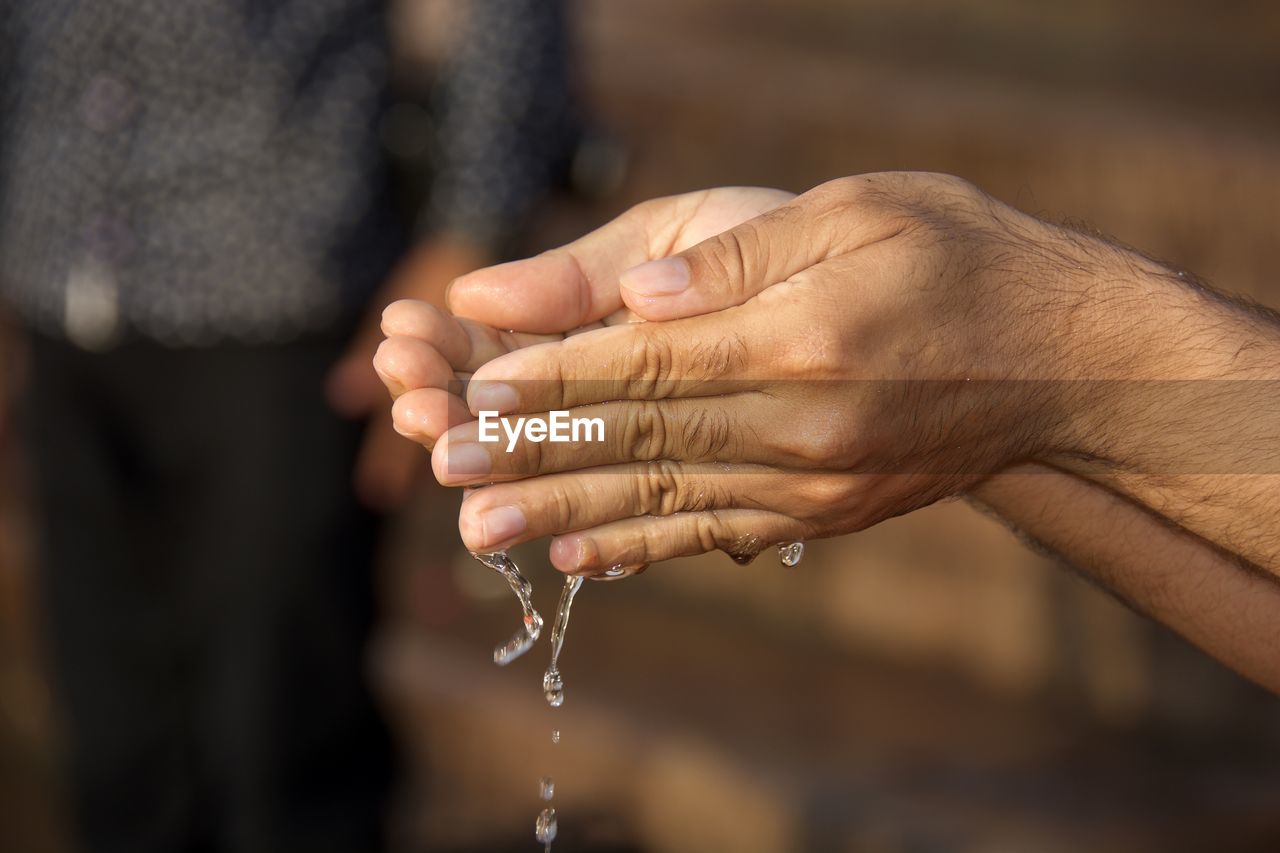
[559, 290]
[724, 270]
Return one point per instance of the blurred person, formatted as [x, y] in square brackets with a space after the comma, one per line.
[813, 365]
[195, 217]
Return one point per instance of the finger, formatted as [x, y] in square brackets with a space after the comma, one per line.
[779, 334]
[703, 429]
[507, 514]
[407, 364]
[698, 356]
[414, 318]
[426, 414]
[578, 283]
[387, 467]
[465, 344]
[547, 293]
[731, 267]
[740, 533]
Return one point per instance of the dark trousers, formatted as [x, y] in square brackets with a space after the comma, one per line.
[209, 597]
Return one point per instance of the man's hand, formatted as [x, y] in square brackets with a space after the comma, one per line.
[388, 467]
[871, 346]
[814, 395]
[962, 339]
[427, 349]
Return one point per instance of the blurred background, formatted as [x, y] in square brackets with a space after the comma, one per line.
[928, 685]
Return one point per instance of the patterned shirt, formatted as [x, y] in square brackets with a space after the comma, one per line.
[200, 170]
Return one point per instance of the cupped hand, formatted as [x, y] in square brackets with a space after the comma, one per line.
[559, 294]
[845, 356]
[388, 468]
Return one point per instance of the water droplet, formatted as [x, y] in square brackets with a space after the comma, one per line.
[791, 553]
[619, 571]
[744, 549]
[555, 736]
[545, 827]
[552, 682]
[547, 788]
[553, 687]
[531, 623]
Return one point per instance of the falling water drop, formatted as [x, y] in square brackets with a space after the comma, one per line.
[552, 683]
[553, 687]
[531, 625]
[547, 788]
[555, 736]
[544, 830]
[791, 553]
[545, 827]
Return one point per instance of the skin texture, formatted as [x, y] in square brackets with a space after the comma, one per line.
[813, 365]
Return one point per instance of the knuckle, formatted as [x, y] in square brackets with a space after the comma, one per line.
[715, 534]
[656, 543]
[826, 447]
[821, 353]
[560, 505]
[951, 185]
[828, 492]
[711, 531]
[659, 490]
[530, 457]
[645, 434]
[731, 256]
[657, 364]
[664, 488]
[922, 201]
[650, 364]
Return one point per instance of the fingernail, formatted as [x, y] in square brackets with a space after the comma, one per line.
[500, 524]
[467, 460]
[493, 397]
[665, 277]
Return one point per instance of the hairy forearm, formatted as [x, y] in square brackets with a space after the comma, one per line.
[1220, 603]
[1177, 403]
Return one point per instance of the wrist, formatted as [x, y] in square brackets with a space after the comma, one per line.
[1063, 309]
